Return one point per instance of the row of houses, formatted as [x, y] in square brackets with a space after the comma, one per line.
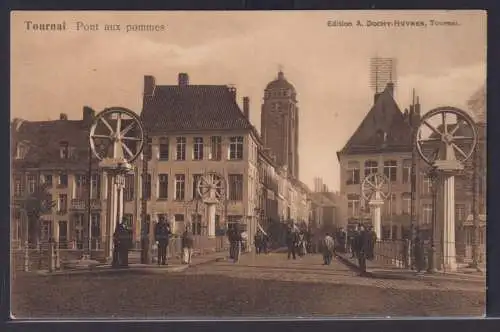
[191, 130]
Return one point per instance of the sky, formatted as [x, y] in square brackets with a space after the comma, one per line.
[55, 72]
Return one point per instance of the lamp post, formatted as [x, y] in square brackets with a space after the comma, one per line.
[434, 177]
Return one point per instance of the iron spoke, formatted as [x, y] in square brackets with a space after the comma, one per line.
[463, 138]
[459, 150]
[127, 129]
[107, 125]
[127, 149]
[432, 128]
[130, 139]
[445, 127]
[119, 123]
[455, 129]
[101, 136]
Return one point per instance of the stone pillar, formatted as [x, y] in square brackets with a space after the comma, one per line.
[449, 250]
[211, 209]
[375, 206]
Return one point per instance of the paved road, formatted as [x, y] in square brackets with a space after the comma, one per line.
[268, 285]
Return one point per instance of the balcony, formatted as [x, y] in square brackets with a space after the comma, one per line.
[78, 204]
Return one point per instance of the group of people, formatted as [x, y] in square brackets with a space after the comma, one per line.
[123, 243]
[261, 242]
[361, 244]
[296, 242]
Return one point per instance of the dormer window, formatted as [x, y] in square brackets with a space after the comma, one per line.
[64, 150]
[21, 151]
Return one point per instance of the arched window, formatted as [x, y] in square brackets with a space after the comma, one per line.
[371, 167]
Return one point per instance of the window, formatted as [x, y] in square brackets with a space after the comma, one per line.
[370, 167]
[62, 203]
[196, 224]
[47, 180]
[390, 170]
[426, 213]
[180, 148]
[31, 184]
[236, 148]
[460, 213]
[426, 185]
[128, 220]
[146, 189]
[96, 229]
[63, 180]
[179, 221]
[407, 171]
[128, 191]
[95, 186]
[64, 150]
[180, 187]
[235, 187]
[21, 151]
[215, 148]
[353, 205]
[198, 148]
[390, 205]
[45, 230]
[352, 172]
[163, 149]
[163, 186]
[196, 178]
[80, 187]
[18, 187]
[406, 203]
[79, 222]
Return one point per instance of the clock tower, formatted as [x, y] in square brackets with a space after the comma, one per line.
[280, 123]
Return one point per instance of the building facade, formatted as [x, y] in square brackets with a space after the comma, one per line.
[383, 144]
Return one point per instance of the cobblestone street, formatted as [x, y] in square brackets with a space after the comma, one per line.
[267, 285]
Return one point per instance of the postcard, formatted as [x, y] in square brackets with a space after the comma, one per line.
[272, 164]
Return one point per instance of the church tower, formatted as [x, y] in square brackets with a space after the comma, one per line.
[280, 123]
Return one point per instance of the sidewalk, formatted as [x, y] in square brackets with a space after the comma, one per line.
[174, 265]
[375, 269]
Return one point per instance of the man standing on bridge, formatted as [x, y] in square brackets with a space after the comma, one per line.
[162, 233]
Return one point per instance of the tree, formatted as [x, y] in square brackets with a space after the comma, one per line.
[35, 205]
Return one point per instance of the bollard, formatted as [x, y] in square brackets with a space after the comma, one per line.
[57, 260]
[51, 257]
[26, 257]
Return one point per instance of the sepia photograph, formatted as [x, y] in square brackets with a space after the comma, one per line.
[248, 164]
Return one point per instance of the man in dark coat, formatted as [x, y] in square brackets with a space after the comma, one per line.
[116, 246]
[162, 235]
[372, 240]
[235, 239]
[363, 245]
[292, 240]
[126, 238]
[258, 241]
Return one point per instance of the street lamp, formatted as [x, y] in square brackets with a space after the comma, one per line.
[433, 175]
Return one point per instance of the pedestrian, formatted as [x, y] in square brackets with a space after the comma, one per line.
[126, 239]
[116, 246]
[418, 252]
[258, 239]
[328, 249]
[187, 246]
[362, 244]
[162, 235]
[372, 240]
[291, 242]
[235, 243]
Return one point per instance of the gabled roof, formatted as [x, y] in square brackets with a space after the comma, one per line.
[43, 140]
[384, 120]
[322, 199]
[192, 107]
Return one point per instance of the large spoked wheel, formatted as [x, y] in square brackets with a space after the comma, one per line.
[211, 187]
[374, 184]
[446, 134]
[117, 133]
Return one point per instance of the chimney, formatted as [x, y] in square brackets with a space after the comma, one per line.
[232, 90]
[246, 107]
[183, 79]
[88, 115]
[149, 85]
[417, 107]
[390, 88]
[63, 116]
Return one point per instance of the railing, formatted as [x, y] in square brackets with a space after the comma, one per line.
[52, 256]
[396, 253]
